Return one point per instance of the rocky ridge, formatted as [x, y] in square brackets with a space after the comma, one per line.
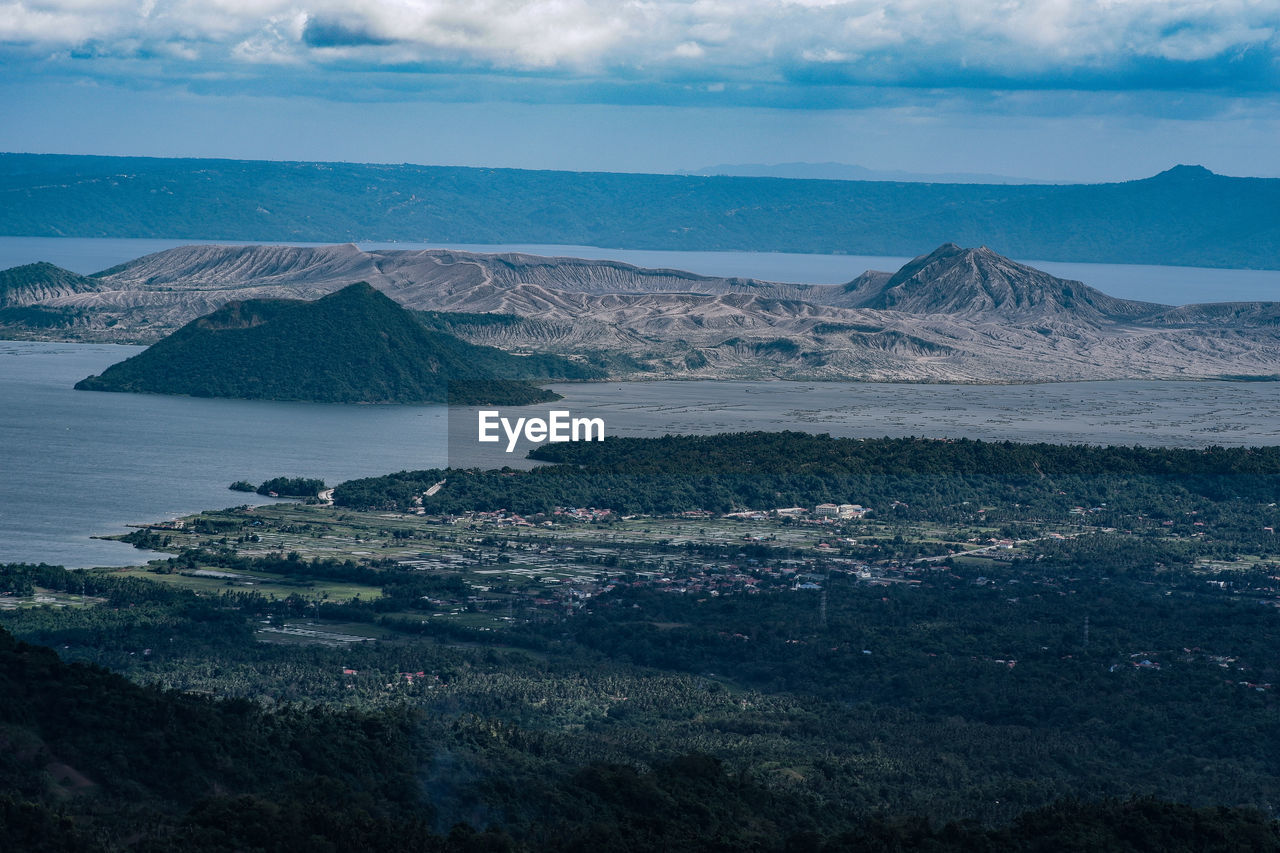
[953, 315]
[31, 284]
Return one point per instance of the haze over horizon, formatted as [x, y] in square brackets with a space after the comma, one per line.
[1086, 91]
[826, 171]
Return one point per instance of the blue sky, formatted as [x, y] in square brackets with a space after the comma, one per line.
[1046, 89]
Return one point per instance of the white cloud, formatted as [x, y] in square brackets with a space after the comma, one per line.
[826, 54]
[915, 42]
[689, 50]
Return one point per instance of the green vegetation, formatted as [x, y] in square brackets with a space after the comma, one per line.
[1079, 655]
[105, 765]
[211, 577]
[242, 486]
[99, 759]
[1186, 216]
[40, 317]
[451, 321]
[291, 487]
[779, 452]
[768, 470]
[353, 346]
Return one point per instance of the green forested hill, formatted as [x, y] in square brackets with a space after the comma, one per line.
[764, 470]
[126, 760]
[353, 346]
[92, 762]
[1185, 216]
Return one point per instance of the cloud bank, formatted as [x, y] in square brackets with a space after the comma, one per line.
[746, 51]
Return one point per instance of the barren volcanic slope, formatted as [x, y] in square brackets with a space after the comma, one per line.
[31, 283]
[976, 283]
[955, 314]
[22, 287]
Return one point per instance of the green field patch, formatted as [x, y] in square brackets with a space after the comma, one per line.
[215, 580]
[1242, 563]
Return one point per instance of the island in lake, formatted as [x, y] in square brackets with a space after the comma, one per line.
[355, 345]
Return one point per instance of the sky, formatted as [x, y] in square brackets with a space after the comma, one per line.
[1061, 90]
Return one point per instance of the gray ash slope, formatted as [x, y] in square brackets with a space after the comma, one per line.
[980, 283]
[441, 270]
[33, 283]
[952, 315]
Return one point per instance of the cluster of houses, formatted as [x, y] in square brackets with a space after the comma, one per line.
[505, 518]
[496, 518]
[823, 512]
[579, 513]
[558, 579]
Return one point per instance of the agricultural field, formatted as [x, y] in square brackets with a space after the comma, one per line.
[212, 581]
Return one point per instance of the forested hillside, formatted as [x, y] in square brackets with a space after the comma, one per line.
[353, 346]
[1185, 216]
[769, 470]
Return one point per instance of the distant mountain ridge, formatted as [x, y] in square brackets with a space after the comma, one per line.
[849, 172]
[1185, 216]
[951, 315]
[353, 346]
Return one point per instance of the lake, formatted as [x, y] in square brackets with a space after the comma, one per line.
[1170, 285]
[78, 463]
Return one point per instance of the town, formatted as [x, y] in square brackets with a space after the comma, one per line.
[496, 568]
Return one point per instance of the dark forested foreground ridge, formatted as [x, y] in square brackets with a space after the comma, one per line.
[94, 763]
[757, 642]
[353, 346]
[1185, 216]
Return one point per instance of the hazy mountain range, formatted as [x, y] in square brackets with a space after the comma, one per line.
[955, 314]
[851, 172]
[1185, 216]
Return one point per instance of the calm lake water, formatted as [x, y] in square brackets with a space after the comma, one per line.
[1169, 285]
[77, 463]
